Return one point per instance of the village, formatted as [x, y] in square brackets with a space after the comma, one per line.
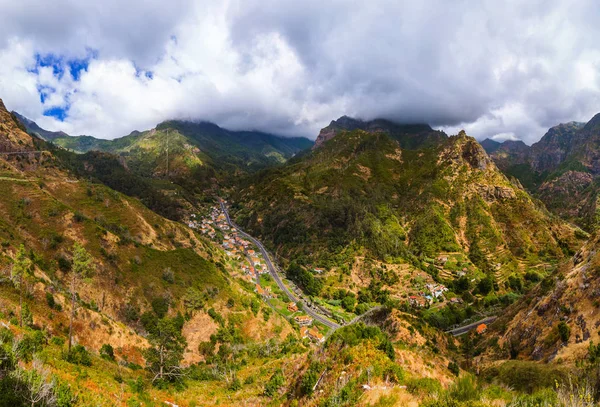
[253, 267]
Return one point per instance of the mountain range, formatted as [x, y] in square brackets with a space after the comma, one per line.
[561, 169]
[398, 232]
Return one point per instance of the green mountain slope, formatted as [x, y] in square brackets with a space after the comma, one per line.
[361, 191]
[146, 268]
[194, 147]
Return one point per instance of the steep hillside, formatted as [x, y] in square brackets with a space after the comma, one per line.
[361, 195]
[559, 319]
[146, 269]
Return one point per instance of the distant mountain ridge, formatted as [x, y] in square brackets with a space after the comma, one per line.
[562, 168]
[191, 145]
[409, 136]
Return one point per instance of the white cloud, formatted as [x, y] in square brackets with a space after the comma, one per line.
[290, 67]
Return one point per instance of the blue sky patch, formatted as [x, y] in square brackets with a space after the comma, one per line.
[59, 113]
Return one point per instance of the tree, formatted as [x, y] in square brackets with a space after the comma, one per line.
[564, 331]
[107, 352]
[21, 267]
[83, 265]
[485, 285]
[166, 351]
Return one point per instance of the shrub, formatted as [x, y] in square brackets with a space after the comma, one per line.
[107, 352]
[79, 355]
[274, 383]
[423, 386]
[57, 340]
[160, 306]
[453, 367]
[564, 331]
[464, 389]
[168, 275]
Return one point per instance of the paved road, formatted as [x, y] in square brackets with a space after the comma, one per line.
[464, 329]
[275, 275]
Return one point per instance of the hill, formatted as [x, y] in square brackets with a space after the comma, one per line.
[146, 269]
[359, 203]
[409, 136]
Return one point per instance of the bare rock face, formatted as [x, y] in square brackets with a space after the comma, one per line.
[554, 147]
[343, 123]
[464, 149]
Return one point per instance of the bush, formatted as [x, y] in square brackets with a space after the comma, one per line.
[453, 367]
[274, 383]
[160, 306]
[464, 389]
[423, 386]
[308, 381]
[57, 340]
[79, 355]
[107, 352]
[564, 331]
[526, 376]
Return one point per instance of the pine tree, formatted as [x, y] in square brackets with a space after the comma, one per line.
[83, 265]
[21, 267]
[166, 352]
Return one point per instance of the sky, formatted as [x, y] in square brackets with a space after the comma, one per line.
[505, 70]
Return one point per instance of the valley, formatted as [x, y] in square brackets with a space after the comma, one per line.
[385, 265]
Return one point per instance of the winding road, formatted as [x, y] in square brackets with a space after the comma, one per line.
[273, 271]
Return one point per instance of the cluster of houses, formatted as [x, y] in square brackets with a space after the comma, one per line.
[434, 291]
[234, 245]
[253, 266]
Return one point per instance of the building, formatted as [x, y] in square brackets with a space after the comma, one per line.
[481, 328]
[315, 335]
[262, 292]
[303, 320]
[437, 290]
[319, 271]
[292, 307]
[417, 301]
[303, 332]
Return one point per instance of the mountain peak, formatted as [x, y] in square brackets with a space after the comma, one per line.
[410, 135]
[490, 145]
[593, 124]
